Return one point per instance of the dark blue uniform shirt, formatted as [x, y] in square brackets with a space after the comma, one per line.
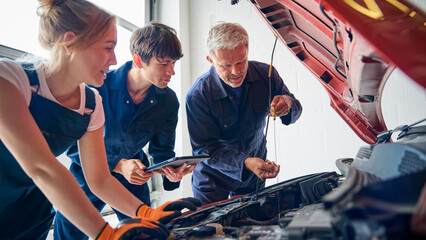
[231, 131]
[129, 127]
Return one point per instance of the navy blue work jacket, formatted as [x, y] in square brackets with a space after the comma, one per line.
[129, 127]
[230, 132]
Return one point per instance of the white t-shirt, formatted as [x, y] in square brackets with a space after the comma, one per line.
[14, 73]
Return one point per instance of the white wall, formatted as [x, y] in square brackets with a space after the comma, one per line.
[320, 136]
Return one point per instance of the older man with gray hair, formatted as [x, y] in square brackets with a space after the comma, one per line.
[226, 111]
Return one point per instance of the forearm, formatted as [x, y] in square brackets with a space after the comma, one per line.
[68, 198]
[294, 114]
[119, 167]
[281, 89]
[233, 166]
[169, 185]
[205, 134]
[111, 191]
[98, 176]
[204, 141]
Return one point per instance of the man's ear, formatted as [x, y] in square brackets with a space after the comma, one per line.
[68, 37]
[137, 60]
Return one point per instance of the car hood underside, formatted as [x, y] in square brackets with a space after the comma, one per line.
[352, 46]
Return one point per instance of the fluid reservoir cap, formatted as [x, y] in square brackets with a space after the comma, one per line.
[204, 231]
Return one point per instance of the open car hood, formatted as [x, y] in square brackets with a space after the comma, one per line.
[352, 46]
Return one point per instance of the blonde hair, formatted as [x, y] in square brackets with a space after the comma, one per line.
[87, 21]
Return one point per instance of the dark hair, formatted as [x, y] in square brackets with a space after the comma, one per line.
[155, 40]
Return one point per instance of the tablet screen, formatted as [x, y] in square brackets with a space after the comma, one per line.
[177, 161]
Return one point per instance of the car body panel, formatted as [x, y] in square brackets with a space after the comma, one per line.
[352, 46]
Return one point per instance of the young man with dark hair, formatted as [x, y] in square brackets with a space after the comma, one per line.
[139, 109]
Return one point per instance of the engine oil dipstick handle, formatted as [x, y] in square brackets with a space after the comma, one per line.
[274, 114]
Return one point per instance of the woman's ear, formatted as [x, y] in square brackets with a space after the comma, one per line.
[68, 37]
[137, 60]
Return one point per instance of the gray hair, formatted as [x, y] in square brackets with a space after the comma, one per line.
[226, 35]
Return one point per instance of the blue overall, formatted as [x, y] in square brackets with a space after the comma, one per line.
[25, 213]
[228, 125]
[128, 128]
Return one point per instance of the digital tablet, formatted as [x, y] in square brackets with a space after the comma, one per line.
[177, 161]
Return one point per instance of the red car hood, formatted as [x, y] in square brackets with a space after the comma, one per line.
[352, 46]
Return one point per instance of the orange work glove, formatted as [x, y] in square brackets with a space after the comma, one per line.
[134, 228]
[169, 210]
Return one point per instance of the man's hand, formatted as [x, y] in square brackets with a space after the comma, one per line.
[262, 169]
[282, 105]
[133, 171]
[176, 174]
